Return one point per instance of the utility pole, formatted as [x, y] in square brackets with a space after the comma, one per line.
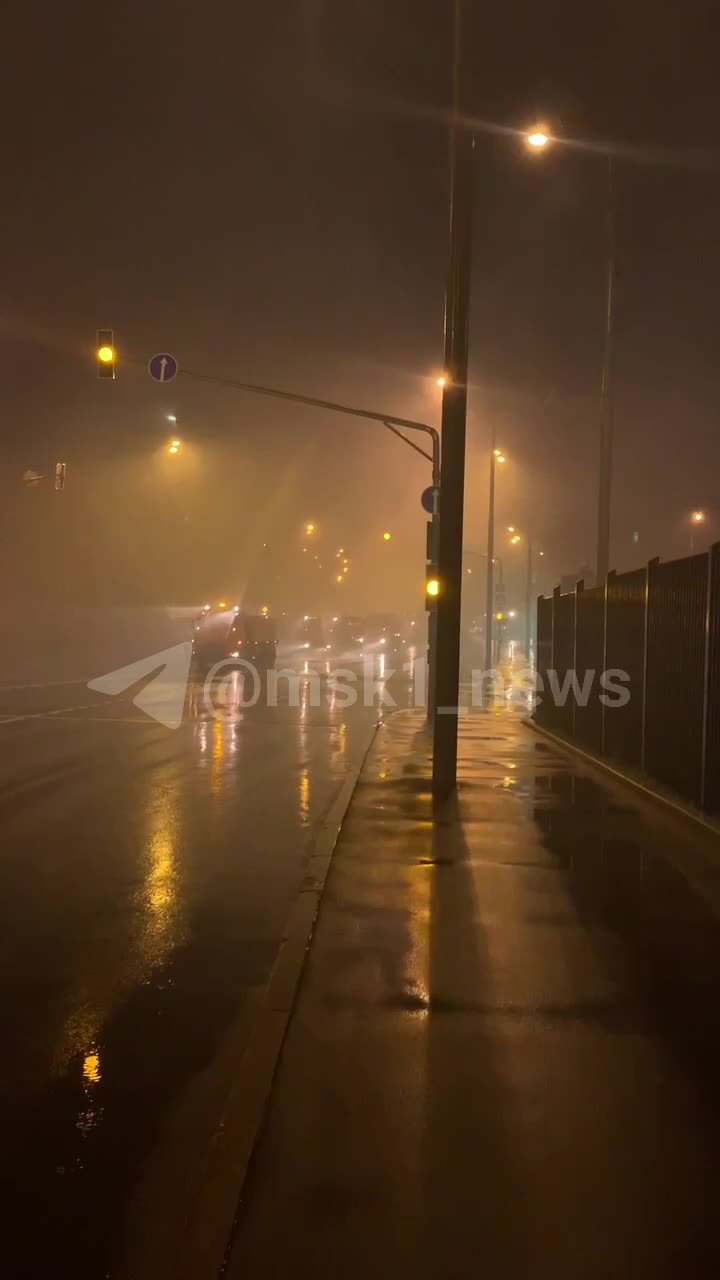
[607, 389]
[454, 408]
[490, 592]
[528, 598]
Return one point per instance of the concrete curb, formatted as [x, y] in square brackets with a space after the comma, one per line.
[208, 1233]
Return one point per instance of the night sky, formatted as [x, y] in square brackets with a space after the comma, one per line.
[262, 190]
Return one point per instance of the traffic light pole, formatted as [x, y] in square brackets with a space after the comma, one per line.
[454, 411]
[528, 599]
[490, 588]
[398, 426]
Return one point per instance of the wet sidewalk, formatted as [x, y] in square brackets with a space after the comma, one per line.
[504, 1059]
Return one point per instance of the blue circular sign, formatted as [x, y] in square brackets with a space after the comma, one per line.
[163, 367]
[428, 499]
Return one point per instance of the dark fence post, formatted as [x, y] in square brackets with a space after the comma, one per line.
[711, 708]
[648, 573]
[579, 588]
[611, 574]
[706, 672]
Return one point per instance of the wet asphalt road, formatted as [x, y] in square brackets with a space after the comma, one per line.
[145, 879]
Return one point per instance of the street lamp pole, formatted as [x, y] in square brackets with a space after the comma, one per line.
[490, 591]
[606, 390]
[454, 410]
[528, 598]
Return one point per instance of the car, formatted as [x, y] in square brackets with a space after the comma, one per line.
[223, 634]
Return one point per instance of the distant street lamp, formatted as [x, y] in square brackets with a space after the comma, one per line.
[537, 139]
[530, 577]
[496, 455]
[697, 518]
[387, 537]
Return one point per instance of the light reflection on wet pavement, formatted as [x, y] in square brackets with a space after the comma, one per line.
[145, 879]
[506, 1048]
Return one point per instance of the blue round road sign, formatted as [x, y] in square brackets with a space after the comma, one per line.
[163, 367]
[427, 499]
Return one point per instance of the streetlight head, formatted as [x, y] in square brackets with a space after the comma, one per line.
[511, 528]
[537, 140]
[387, 536]
[500, 457]
[441, 381]
[698, 517]
[171, 417]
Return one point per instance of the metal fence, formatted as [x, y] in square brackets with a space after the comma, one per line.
[631, 671]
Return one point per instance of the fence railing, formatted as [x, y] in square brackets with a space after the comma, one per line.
[630, 670]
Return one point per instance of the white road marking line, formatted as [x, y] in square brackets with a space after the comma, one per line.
[45, 715]
[42, 684]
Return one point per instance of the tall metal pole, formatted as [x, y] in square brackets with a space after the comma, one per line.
[454, 407]
[490, 593]
[606, 390]
[528, 598]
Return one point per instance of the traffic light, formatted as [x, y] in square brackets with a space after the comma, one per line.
[432, 591]
[105, 353]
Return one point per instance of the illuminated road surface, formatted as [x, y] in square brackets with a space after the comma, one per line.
[146, 875]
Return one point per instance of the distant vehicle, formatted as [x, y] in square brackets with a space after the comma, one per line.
[348, 635]
[224, 634]
[390, 634]
[311, 633]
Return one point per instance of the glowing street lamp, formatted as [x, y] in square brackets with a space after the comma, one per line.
[537, 140]
[697, 518]
[310, 527]
[387, 536]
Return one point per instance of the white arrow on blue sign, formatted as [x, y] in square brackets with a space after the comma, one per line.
[163, 367]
